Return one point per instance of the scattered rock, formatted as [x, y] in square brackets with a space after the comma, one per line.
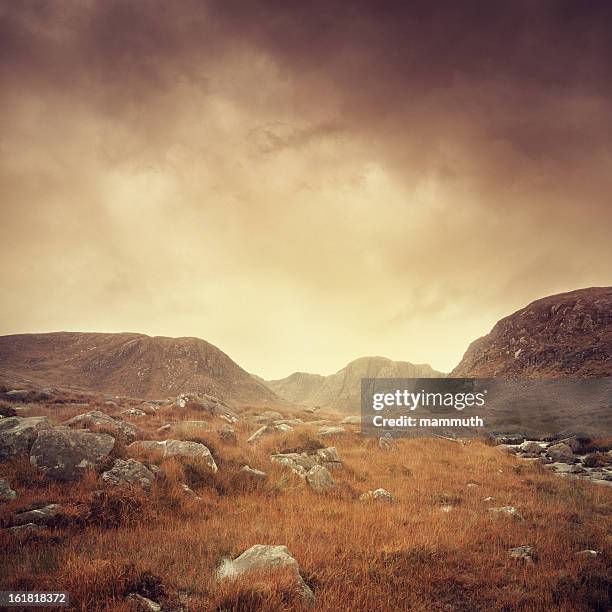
[351, 420]
[268, 417]
[208, 404]
[488, 499]
[301, 463]
[98, 419]
[266, 558]
[447, 508]
[523, 553]
[228, 435]
[65, 454]
[6, 493]
[560, 453]
[129, 472]
[320, 479]
[597, 460]
[175, 448]
[143, 604]
[189, 491]
[509, 510]
[41, 516]
[529, 446]
[253, 472]
[328, 457]
[24, 528]
[508, 448]
[290, 422]
[378, 495]
[17, 434]
[472, 485]
[267, 430]
[134, 412]
[588, 553]
[509, 439]
[7, 411]
[17, 395]
[387, 443]
[331, 430]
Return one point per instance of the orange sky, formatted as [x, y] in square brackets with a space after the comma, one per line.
[301, 184]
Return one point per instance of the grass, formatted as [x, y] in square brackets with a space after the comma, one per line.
[410, 555]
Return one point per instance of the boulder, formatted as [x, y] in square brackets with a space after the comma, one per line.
[331, 430]
[387, 443]
[377, 495]
[328, 457]
[129, 472]
[529, 446]
[64, 454]
[266, 558]
[41, 516]
[100, 420]
[246, 469]
[17, 435]
[143, 604]
[523, 553]
[175, 448]
[301, 463]
[134, 412]
[320, 479]
[185, 429]
[508, 439]
[6, 493]
[208, 404]
[267, 430]
[509, 510]
[560, 453]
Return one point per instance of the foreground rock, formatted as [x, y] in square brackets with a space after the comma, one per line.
[267, 430]
[560, 453]
[175, 448]
[331, 430]
[246, 469]
[508, 510]
[129, 472]
[377, 495]
[302, 463]
[266, 558]
[100, 420]
[41, 516]
[208, 404]
[143, 604]
[65, 454]
[320, 479]
[523, 553]
[17, 434]
[6, 493]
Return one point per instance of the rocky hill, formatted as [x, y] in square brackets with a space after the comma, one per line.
[342, 390]
[129, 364]
[569, 334]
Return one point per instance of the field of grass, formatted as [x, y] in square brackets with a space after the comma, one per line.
[354, 555]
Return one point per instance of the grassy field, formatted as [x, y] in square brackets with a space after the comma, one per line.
[354, 555]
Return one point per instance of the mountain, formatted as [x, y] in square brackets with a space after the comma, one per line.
[342, 390]
[129, 364]
[564, 335]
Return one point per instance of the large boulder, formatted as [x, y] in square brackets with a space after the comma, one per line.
[175, 448]
[320, 479]
[17, 434]
[531, 447]
[266, 558]
[100, 420]
[6, 493]
[560, 453]
[127, 473]
[64, 454]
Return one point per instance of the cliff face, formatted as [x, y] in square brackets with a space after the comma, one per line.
[565, 335]
[129, 364]
[342, 390]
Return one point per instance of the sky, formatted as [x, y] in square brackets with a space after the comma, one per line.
[301, 183]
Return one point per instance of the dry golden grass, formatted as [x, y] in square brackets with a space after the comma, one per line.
[409, 555]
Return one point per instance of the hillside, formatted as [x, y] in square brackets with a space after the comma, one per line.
[128, 364]
[569, 334]
[342, 390]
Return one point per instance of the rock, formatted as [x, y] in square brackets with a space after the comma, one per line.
[331, 430]
[530, 446]
[387, 443]
[595, 460]
[266, 558]
[560, 453]
[129, 472]
[509, 510]
[447, 508]
[28, 527]
[301, 463]
[228, 435]
[351, 420]
[472, 485]
[523, 553]
[143, 604]
[41, 516]
[267, 430]
[149, 409]
[134, 412]
[508, 448]
[208, 404]
[7, 411]
[100, 420]
[320, 479]
[6, 493]
[175, 448]
[328, 457]
[587, 553]
[509, 439]
[488, 499]
[65, 454]
[268, 416]
[17, 434]
[377, 495]
[183, 429]
[17, 395]
[253, 472]
[189, 491]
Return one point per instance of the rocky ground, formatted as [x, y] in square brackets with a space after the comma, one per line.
[183, 504]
